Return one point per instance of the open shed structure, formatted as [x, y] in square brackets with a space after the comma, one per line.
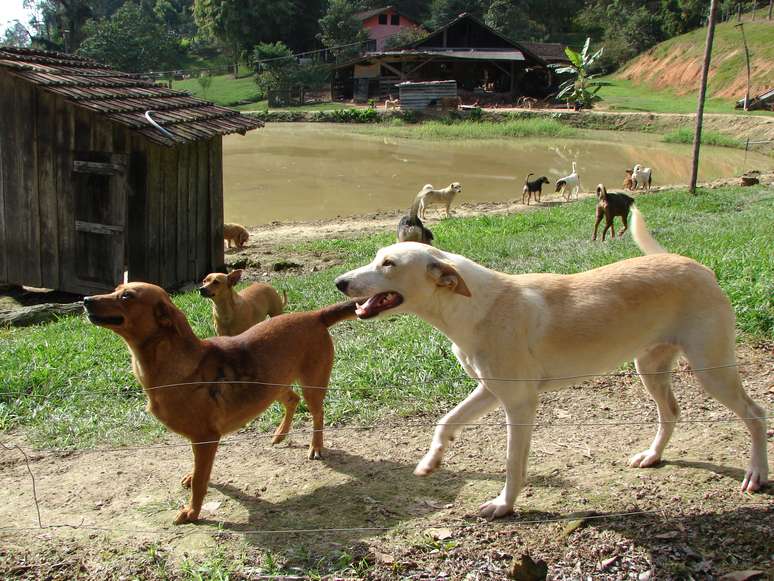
[466, 50]
[91, 192]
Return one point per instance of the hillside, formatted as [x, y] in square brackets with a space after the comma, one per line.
[675, 64]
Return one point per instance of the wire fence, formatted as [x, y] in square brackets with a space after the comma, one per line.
[26, 454]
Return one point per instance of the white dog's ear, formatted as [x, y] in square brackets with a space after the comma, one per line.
[444, 274]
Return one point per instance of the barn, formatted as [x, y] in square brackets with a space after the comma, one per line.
[484, 63]
[106, 177]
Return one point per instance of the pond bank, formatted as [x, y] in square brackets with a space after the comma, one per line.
[740, 127]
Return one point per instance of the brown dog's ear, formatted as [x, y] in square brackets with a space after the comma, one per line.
[234, 277]
[444, 274]
[169, 316]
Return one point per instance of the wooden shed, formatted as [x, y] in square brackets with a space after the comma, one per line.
[91, 191]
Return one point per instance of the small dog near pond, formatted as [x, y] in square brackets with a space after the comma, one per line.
[569, 185]
[642, 176]
[235, 312]
[205, 389]
[533, 187]
[628, 183]
[428, 195]
[235, 233]
[608, 207]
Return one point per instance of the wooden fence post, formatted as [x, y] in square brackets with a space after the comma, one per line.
[702, 95]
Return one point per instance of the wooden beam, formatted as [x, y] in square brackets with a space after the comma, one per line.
[93, 167]
[420, 65]
[94, 228]
[392, 69]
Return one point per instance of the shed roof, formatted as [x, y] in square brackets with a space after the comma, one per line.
[125, 98]
[552, 52]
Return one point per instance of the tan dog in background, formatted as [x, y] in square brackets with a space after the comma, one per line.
[235, 312]
[429, 195]
[205, 389]
[235, 233]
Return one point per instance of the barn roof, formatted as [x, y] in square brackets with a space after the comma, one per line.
[125, 98]
[551, 52]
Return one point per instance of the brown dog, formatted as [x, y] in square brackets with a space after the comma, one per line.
[235, 233]
[235, 312]
[194, 387]
[608, 207]
[628, 183]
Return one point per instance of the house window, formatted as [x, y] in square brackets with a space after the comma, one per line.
[395, 19]
[382, 19]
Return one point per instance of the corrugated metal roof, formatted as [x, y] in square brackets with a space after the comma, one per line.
[473, 54]
[124, 98]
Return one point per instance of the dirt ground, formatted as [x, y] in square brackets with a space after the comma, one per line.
[689, 519]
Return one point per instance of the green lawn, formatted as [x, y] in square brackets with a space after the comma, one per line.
[69, 383]
[685, 135]
[225, 89]
[329, 106]
[624, 95]
[465, 130]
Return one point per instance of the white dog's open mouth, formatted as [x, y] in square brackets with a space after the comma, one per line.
[377, 304]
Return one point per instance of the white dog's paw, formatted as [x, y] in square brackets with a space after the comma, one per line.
[428, 464]
[754, 480]
[645, 459]
[495, 508]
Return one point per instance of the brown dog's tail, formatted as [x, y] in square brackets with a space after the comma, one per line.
[526, 179]
[339, 312]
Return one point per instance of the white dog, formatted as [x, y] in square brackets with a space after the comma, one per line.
[569, 185]
[642, 176]
[391, 103]
[429, 195]
[545, 329]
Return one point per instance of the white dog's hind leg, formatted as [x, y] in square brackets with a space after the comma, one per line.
[479, 402]
[654, 368]
[520, 415]
[725, 386]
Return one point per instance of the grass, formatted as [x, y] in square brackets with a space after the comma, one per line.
[69, 384]
[225, 89]
[625, 95]
[685, 135]
[328, 106]
[439, 130]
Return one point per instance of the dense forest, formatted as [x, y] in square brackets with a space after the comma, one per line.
[153, 35]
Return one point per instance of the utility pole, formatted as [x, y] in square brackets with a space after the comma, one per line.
[771, 5]
[747, 55]
[702, 95]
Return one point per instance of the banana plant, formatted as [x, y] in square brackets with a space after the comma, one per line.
[580, 87]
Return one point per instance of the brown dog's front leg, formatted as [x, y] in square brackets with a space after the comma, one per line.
[204, 456]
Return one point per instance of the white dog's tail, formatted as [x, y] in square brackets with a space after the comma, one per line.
[642, 236]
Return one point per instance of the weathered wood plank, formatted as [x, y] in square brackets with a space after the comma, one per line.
[93, 167]
[170, 218]
[47, 189]
[154, 213]
[5, 132]
[217, 260]
[21, 197]
[38, 314]
[137, 234]
[64, 146]
[203, 210]
[193, 209]
[94, 228]
[183, 235]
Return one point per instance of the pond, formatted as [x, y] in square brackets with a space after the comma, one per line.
[311, 171]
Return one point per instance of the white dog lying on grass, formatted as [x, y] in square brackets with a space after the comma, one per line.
[546, 329]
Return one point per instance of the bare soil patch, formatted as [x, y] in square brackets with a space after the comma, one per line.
[690, 520]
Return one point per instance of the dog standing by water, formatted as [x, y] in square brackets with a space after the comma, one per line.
[428, 195]
[533, 187]
[546, 329]
[569, 184]
[608, 207]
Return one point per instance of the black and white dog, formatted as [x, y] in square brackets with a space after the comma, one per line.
[411, 229]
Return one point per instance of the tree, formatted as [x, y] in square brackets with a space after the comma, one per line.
[131, 40]
[239, 24]
[580, 87]
[340, 31]
[512, 19]
[442, 12]
[16, 35]
[406, 35]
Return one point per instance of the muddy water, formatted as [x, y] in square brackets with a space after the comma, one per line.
[300, 171]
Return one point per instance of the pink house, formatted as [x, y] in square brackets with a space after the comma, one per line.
[382, 23]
